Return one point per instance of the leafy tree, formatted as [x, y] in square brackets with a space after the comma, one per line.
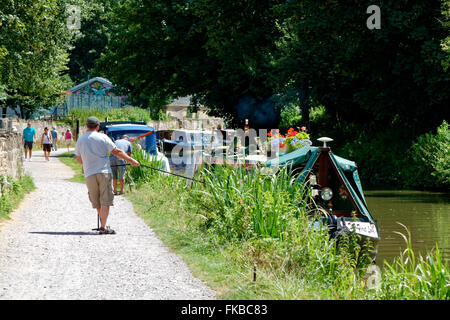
[446, 42]
[218, 52]
[381, 88]
[92, 39]
[34, 41]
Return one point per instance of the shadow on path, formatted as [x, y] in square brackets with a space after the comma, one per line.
[56, 233]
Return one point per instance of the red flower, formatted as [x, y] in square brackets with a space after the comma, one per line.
[292, 134]
[282, 145]
[269, 134]
[290, 130]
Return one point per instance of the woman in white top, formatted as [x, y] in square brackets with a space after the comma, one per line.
[46, 143]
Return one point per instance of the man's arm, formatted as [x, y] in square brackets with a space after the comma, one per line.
[122, 155]
[80, 161]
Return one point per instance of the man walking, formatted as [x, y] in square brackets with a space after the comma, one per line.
[55, 139]
[118, 165]
[28, 138]
[92, 150]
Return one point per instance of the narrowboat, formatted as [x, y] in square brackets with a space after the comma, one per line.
[335, 188]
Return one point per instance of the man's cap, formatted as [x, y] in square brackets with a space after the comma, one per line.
[92, 120]
[125, 136]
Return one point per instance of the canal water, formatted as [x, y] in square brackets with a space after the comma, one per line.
[425, 214]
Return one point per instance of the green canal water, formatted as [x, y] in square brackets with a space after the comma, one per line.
[426, 214]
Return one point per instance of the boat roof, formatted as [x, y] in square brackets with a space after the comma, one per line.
[309, 155]
[128, 127]
[302, 155]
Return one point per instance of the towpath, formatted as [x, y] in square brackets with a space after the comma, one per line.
[48, 251]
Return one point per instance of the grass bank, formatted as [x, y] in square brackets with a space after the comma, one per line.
[13, 191]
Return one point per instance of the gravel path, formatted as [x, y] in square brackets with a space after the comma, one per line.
[48, 251]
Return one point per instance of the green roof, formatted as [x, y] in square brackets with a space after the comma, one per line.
[302, 155]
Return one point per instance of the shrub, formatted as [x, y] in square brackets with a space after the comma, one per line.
[430, 160]
[12, 192]
[116, 114]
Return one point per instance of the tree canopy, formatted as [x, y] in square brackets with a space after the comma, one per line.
[238, 57]
[34, 40]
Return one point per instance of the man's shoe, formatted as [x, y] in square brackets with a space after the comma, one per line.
[106, 230]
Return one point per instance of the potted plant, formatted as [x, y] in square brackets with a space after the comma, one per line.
[297, 139]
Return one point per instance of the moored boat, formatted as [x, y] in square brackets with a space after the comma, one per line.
[335, 188]
[144, 136]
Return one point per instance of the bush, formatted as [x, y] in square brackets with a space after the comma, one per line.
[117, 114]
[12, 192]
[430, 160]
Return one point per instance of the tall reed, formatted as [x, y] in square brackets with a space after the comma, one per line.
[412, 277]
[141, 175]
[242, 204]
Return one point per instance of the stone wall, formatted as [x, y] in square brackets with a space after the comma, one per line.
[11, 153]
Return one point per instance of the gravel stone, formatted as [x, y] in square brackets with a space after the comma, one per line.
[48, 250]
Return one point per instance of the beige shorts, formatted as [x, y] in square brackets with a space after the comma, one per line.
[100, 189]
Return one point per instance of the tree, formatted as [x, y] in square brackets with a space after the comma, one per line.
[35, 40]
[381, 87]
[92, 39]
[218, 52]
[389, 77]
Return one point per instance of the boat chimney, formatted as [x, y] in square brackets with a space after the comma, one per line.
[325, 140]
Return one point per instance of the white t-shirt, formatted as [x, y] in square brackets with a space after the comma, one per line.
[93, 148]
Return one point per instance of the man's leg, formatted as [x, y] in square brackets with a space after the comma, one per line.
[122, 184]
[103, 213]
[106, 197]
[115, 186]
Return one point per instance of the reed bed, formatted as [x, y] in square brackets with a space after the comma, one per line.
[138, 176]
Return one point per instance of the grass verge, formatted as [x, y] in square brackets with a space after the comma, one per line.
[17, 189]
